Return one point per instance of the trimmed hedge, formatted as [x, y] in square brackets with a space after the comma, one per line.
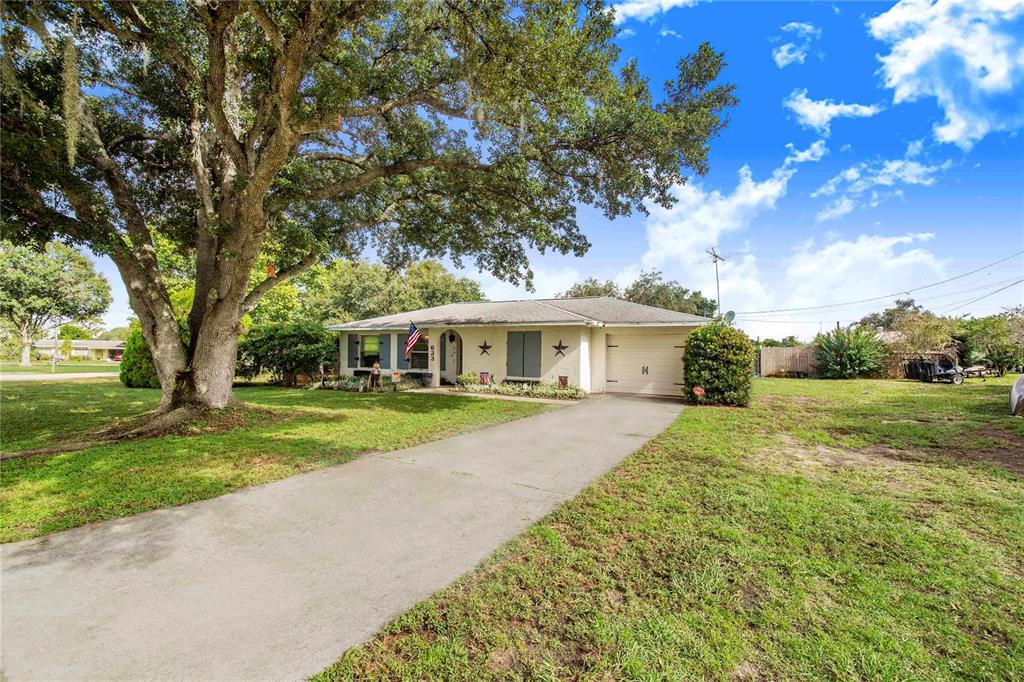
[137, 368]
[718, 361]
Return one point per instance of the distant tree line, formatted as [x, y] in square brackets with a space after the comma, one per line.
[650, 288]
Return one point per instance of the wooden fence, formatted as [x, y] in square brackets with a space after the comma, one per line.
[786, 361]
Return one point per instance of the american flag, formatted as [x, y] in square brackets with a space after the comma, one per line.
[414, 336]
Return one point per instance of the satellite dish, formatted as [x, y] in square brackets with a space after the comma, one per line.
[730, 316]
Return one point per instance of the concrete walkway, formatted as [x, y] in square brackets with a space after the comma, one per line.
[67, 376]
[276, 582]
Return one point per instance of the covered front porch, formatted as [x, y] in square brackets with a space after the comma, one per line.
[436, 357]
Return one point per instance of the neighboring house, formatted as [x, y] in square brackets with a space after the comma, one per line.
[82, 350]
[597, 343]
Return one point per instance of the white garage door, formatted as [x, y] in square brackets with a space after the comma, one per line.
[645, 362]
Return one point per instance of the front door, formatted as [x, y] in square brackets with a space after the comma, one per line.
[450, 356]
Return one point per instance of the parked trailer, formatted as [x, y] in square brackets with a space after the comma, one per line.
[942, 369]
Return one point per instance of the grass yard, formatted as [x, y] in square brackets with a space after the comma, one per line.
[292, 430]
[833, 530]
[72, 367]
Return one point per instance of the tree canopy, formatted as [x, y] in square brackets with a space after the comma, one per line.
[888, 318]
[42, 289]
[297, 130]
[353, 290]
[649, 288]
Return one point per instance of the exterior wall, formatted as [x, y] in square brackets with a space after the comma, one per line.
[552, 365]
[393, 353]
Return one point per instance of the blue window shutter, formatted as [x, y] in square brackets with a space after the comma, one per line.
[385, 351]
[531, 354]
[444, 351]
[353, 350]
[403, 363]
[514, 355]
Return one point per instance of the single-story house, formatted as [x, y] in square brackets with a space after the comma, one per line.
[81, 349]
[597, 343]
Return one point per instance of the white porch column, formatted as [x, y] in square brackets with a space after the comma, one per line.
[395, 350]
[584, 356]
[434, 356]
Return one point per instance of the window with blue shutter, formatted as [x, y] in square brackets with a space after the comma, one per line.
[353, 350]
[403, 363]
[385, 351]
[522, 355]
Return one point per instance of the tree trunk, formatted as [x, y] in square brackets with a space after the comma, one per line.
[26, 349]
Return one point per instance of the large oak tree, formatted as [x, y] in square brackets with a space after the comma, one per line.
[301, 130]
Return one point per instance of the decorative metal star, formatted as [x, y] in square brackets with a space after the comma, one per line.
[484, 347]
[560, 348]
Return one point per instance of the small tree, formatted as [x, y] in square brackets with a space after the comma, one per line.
[137, 367]
[40, 290]
[286, 350]
[849, 353]
[996, 338]
[717, 365]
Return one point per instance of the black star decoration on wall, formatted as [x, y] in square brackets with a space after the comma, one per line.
[484, 347]
[560, 348]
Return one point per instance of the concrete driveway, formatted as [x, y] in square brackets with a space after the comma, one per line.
[276, 582]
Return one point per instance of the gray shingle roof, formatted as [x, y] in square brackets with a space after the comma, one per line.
[567, 311]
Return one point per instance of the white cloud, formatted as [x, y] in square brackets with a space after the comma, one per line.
[666, 32]
[795, 52]
[818, 114]
[837, 209]
[699, 218]
[547, 281]
[823, 274]
[871, 183]
[646, 9]
[967, 54]
[815, 152]
[626, 33]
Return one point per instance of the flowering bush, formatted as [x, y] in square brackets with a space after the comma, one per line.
[717, 366]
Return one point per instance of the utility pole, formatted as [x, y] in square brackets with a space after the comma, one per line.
[718, 289]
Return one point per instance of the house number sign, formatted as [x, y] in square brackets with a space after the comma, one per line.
[432, 354]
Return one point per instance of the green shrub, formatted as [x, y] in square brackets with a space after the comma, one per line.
[849, 353]
[286, 349]
[137, 368]
[718, 363]
[352, 384]
[527, 390]
[468, 379]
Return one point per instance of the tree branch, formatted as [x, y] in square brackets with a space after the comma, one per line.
[259, 13]
[252, 299]
[400, 168]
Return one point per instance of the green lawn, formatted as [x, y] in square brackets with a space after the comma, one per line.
[292, 430]
[62, 367]
[833, 530]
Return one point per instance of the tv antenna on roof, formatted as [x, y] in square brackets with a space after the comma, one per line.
[715, 257]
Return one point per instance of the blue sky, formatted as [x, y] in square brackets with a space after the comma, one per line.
[876, 148]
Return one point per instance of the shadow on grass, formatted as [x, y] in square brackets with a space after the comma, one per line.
[42, 495]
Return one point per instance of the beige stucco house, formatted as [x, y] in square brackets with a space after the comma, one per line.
[599, 343]
[81, 350]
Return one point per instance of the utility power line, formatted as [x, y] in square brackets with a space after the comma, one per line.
[884, 297]
[991, 293]
[923, 299]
